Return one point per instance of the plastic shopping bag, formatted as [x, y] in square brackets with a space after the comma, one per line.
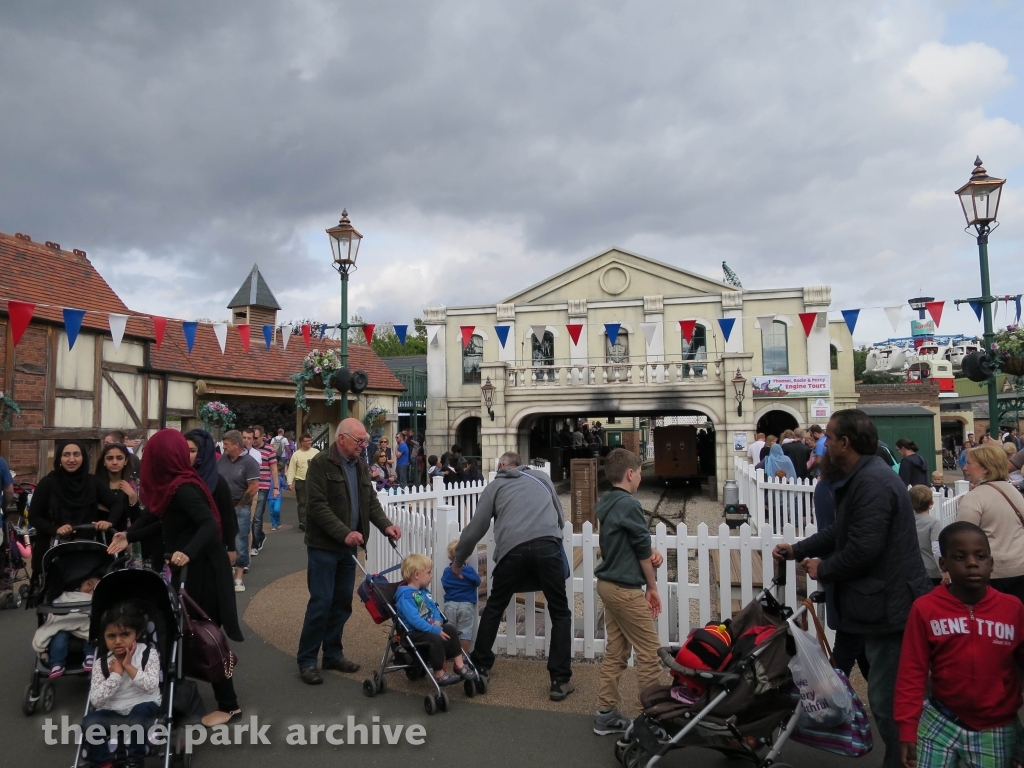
[824, 697]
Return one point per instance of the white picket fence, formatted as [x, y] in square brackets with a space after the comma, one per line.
[944, 509]
[773, 502]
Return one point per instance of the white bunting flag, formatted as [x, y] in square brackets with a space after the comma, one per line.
[893, 313]
[220, 330]
[538, 331]
[286, 334]
[432, 332]
[765, 321]
[649, 329]
[117, 325]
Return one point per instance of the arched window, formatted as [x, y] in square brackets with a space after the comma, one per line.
[697, 349]
[543, 354]
[775, 349]
[833, 357]
[472, 357]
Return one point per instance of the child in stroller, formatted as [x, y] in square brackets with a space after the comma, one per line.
[54, 636]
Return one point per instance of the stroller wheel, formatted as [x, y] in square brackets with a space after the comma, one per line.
[29, 701]
[49, 693]
[620, 750]
[22, 592]
[369, 688]
[481, 684]
[429, 705]
[635, 756]
[442, 702]
[469, 688]
[378, 680]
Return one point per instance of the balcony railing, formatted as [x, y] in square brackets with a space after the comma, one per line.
[614, 374]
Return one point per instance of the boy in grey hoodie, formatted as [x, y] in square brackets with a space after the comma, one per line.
[627, 564]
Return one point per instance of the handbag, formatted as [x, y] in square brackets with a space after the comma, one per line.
[206, 654]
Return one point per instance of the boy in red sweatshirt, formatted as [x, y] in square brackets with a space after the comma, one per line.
[970, 639]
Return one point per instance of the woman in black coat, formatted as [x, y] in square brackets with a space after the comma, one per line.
[913, 469]
[190, 524]
[202, 451]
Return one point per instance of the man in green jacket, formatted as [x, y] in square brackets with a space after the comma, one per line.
[340, 505]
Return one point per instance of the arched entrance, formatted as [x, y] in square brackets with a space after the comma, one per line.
[468, 436]
[776, 422]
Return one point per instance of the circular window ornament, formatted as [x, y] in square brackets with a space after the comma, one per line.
[614, 280]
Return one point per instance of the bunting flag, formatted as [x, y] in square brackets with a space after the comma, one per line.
[850, 316]
[649, 329]
[323, 329]
[243, 333]
[935, 310]
[286, 334]
[159, 326]
[808, 318]
[20, 313]
[368, 331]
[432, 333]
[612, 329]
[189, 330]
[726, 324]
[1016, 300]
[687, 326]
[117, 325]
[220, 330]
[893, 313]
[268, 336]
[73, 324]
[976, 306]
[402, 330]
[539, 331]
[307, 331]
[467, 334]
[765, 321]
[502, 333]
[574, 332]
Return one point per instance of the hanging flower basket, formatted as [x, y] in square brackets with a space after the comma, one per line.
[317, 370]
[7, 410]
[1008, 350]
[375, 418]
[217, 418]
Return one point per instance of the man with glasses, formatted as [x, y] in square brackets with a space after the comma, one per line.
[340, 505]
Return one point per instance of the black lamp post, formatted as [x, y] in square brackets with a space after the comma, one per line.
[739, 383]
[344, 250]
[488, 391]
[979, 198]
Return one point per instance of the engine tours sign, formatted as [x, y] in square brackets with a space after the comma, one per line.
[811, 385]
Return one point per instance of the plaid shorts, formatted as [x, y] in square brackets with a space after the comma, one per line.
[942, 743]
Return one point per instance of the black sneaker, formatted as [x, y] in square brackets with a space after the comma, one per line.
[311, 676]
[340, 665]
[559, 690]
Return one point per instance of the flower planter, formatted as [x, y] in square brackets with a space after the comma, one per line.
[1013, 366]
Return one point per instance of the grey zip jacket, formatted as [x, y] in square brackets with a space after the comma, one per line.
[523, 505]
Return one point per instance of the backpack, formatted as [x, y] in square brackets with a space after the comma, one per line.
[279, 444]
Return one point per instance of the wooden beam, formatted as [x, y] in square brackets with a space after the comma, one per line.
[181, 412]
[97, 385]
[5, 445]
[32, 369]
[78, 394]
[55, 433]
[50, 414]
[124, 398]
[119, 367]
[145, 399]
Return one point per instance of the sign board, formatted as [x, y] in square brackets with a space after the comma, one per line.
[739, 441]
[821, 410]
[922, 328]
[810, 385]
[583, 491]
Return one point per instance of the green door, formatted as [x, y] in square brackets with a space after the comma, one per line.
[920, 429]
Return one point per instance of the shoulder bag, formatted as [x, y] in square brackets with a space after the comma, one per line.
[1012, 505]
[566, 570]
[206, 654]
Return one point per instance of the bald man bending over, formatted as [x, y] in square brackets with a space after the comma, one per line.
[340, 505]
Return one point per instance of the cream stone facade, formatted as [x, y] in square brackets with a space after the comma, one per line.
[551, 375]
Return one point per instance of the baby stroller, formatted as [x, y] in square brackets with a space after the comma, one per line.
[748, 711]
[400, 653]
[64, 567]
[180, 701]
[14, 549]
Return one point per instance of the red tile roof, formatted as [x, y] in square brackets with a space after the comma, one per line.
[41, 274]
[258, 364]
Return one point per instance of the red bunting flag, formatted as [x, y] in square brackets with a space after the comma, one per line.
[243, 333]
[20, 313]
[159, 326]
[935, 310]
[808, 318]
[687, 326]
[368, 331]
[467, 334]
[307, 330]
[574, 332]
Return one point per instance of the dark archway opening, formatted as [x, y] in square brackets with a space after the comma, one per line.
[468, 437]
[776, 422]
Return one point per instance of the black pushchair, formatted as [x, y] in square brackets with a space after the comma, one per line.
[14, 565]
[400, 652]
[158, 602]
[64, 566]
[748, 711]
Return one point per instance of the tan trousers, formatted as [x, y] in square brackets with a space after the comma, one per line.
[630, 626]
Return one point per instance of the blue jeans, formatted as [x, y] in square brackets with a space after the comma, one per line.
[258, 536]
[883, 652]
[330, 578]
[58, 650]
[141, 714]
[403, 475]
[242, 514]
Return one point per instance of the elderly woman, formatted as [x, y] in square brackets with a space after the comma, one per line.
[998, 508]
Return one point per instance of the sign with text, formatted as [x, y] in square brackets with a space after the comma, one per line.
[821, 410]
[810, 385]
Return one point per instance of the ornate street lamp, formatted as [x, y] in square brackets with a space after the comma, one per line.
[488, 391]
[979, 199]
[739, 383]
[345, 242]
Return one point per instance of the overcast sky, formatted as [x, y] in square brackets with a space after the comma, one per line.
[482, 146]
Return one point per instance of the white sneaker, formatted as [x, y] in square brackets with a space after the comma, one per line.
[239, 586]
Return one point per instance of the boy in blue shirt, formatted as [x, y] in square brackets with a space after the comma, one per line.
[460, 597]
[421, 614]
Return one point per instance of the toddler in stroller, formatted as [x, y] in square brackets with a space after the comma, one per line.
[54, 636]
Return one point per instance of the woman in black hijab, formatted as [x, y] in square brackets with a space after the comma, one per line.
[204, 460]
